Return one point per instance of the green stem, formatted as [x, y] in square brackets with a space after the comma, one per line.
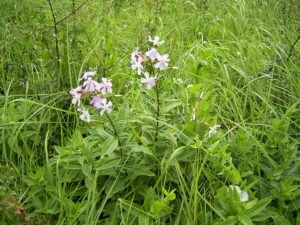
[157, 112]
[116, 133]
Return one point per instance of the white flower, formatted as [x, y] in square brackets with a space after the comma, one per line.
[137, 61]
[162, 62]
[105, 107]
[88, 74]
[243, 194]
[155, 41]
[149, 81]
[85, 115]
[213, 130]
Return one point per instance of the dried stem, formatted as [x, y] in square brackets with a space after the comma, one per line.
[292, 47]
[55, 33]
[72, 13]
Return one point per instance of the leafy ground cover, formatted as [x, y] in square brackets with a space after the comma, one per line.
[209, 136]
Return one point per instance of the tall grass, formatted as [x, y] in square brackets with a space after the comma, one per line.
[238, 67]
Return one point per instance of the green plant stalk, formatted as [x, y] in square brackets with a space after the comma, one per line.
[157, 112]
[116, 133]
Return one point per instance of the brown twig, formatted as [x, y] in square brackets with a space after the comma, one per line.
[72, 13]
[55, 33]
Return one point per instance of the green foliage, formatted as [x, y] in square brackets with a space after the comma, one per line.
[238, 67]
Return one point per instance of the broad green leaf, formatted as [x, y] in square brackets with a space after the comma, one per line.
[109, 146]
[176, 153]
[196, 88]
[109, 163]
[273, 213]
[87, 170]
[170, 106]
[160, 208]
[258, 207]
[133, 208]
[114, 186]
[244, 219]
[139, 170]
[231, 220]
[149, 198]
[143, 220]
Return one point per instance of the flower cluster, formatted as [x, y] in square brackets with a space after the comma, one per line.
[98, 91]
[152, 58]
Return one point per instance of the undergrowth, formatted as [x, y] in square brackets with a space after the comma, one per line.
[212, 138]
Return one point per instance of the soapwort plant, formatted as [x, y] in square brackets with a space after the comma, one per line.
[92, 95]
[150, 65]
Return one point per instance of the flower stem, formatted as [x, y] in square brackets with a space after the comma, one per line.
[116, 133]
[157, 112]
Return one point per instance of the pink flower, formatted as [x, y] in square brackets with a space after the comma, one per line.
[88, 74]
[137, 61]
[152, 54]
[155, 41]
[136, 56]
[149, 81]
[97, 102]
[137, 65]
[105, 86]
[105, 107]
[85, 115]
[76, 92]
[162, 63]
[90, 85]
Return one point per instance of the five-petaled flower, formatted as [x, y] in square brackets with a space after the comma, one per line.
[76, 92]
[152, 54]
[87, 74]
[137, 65]
[97, 102]
[105, 86]
[149, 81]
[155, 41]
[162, 63]
[91, 85]
[85, 115]
[105, 107]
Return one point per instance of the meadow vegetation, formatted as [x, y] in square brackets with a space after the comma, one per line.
[214, 141]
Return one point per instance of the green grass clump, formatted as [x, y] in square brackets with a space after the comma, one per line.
[152, 160]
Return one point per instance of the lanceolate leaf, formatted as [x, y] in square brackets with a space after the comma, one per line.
[258, 207]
